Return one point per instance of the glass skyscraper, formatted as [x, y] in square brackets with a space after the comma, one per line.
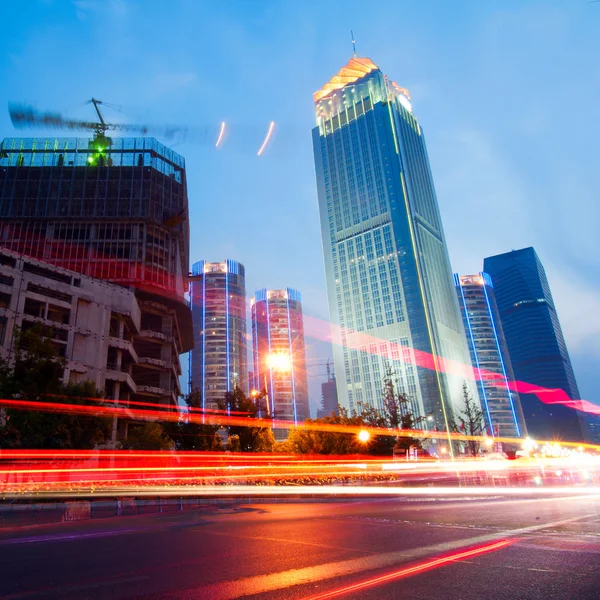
[501, 405]
[219, 360]
[535, 342]
[389, 282]
[279, 354]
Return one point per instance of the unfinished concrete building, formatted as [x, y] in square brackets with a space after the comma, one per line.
[90, 323]
[114, 210]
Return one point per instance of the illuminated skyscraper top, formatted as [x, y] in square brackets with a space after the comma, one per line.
[389, 282]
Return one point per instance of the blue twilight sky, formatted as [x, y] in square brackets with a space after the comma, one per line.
[507, 91]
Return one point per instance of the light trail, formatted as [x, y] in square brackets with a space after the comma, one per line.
[416, 569]
[267, 138]
[32, 472]
[350, 491]
[363, 342]
[184, 410]
[221, 133]
[224, 420]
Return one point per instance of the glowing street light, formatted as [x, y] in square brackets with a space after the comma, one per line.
[489, 442]
[364, 436]
[279, 361]
[255, 393]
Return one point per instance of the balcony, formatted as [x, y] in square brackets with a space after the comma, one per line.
[121, 376]
[162, 309]
[153, 362]
[124, 345]
[150, 334]
[151, 390]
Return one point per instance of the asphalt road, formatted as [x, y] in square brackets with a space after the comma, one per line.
[417, 548]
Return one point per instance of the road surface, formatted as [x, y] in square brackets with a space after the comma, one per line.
[415, 548]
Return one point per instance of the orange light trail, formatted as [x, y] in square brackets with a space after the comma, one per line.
[221, 133]
[416, 569]
[267, 138]
[233, 420]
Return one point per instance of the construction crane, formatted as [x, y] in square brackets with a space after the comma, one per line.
[327, 364]
[23, 116]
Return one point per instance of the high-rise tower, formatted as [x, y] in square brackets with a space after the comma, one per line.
[279, 354]
[389, 282]
[219, 360]
[501, 404]
[535, 341]
[115, 210]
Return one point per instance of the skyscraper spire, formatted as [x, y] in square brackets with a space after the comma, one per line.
[353, 43]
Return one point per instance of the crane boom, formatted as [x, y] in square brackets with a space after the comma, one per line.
[23, 116]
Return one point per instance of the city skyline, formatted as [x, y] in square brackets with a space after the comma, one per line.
[472, 124]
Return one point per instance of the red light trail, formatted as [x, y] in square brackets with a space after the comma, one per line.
[417, 569]
[363, 342]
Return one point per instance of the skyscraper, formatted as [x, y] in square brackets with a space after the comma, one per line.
[501, 406]
[279, 354]
[389, 282]
[114, 210]
[219, 361]
[535, 342]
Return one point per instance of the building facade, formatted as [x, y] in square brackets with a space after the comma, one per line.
[501, 404]
[219, 360]
[391, 296]
[535, 342]
[90, 323]
[279, 354]
[114, 210]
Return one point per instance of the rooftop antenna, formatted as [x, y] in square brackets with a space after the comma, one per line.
[353, 43]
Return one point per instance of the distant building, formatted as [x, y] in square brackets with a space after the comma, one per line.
[593, 422]
[535, 342]
[329, 399]
[502, 407]
[392, 302]
[91, 323]
[219, 360]
[114, 210]
[279, 354]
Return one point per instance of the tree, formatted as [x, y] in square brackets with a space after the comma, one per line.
[315, 441]
[265, 440]
[36, 374]
[233, 443]
[398, 412]
[245, 407]
[471, 422]
[149, 436]
[189, 434]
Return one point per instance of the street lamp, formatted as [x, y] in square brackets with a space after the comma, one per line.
[363, 436]
[279, 361]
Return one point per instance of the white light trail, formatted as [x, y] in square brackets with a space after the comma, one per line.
[221, 133]
[267, 138]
